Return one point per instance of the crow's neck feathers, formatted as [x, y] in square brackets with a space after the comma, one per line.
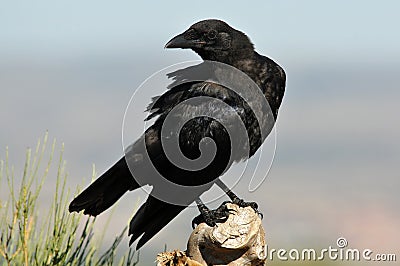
[236, 48]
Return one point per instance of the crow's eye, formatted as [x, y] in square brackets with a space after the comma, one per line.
[191, 34]
[212, 34]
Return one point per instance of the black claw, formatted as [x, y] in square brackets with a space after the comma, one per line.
[212, 217]
[232, 211]
[243, 204]
[197, 220]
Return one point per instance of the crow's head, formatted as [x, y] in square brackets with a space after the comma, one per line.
[214, 40]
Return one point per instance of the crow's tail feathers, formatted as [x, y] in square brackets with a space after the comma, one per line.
[151, 217]
[105, 191]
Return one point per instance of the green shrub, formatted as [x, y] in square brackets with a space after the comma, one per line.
[55, 237]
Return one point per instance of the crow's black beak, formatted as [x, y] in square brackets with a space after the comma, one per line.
[179, 41]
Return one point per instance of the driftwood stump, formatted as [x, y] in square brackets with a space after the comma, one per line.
[240, 240]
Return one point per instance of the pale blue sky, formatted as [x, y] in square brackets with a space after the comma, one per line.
[359, 28]
[71, 67]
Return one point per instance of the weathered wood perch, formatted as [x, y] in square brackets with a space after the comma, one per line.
[240, 240]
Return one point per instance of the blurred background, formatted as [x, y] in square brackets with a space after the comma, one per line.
[70, 68]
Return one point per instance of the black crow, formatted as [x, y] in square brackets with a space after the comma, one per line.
[213, 40]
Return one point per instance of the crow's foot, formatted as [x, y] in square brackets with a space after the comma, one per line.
[212, 217]
[243, 204]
